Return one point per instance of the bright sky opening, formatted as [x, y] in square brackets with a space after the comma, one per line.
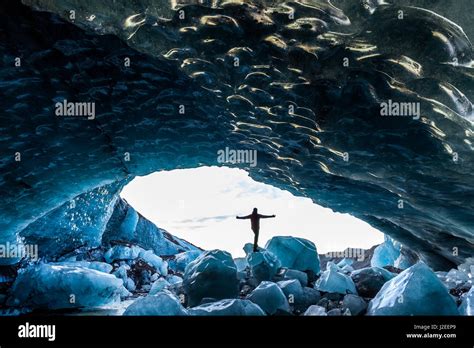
[200, 205]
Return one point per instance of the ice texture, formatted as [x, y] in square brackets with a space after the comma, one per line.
[315, 310]
[212, 274]
[270, 298]
[263, 265]
[52, 286]
[467, 305]
[228, 307]
[296, 253]
[163, 303]
[415, 291]
[369, 280]
[332, 280]
[181, 260]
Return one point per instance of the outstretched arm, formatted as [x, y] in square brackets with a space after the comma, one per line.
[243, 217]
[266, 216]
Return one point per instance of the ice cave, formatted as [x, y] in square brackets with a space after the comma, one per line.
[301, 83]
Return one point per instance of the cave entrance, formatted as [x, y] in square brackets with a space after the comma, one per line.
[200, 205]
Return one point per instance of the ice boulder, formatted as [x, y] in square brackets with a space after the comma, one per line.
[467, 305]
[241, 263]
[295, 253]
[468, 267]
[369, 280]
[391, 253]
[51, 286]
[415, 291]
[354, 303]
[163, 303]
[333, 281]
[121, 252]
[155, 261]
[302, 277]
[158, 286]
[181, 260]
[174, 279]
[228, 307]
[270, 298]
[98, 266]
[345, 262]
[292, 290]
[263, 265]
[315, 310]
[213, 274]
[455, 278]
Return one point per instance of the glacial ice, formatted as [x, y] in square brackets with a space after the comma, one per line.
[389, 253]
[296, 253]
[455, 277]
[386, 253]
[415, 291]
[345, 262]
[315, 310]
[174, 279]
[302, 277]
[355, 304]
[369, 280]
[98, 266]
[163, 303]
[292, 290]
[158, 286]
[228, 307]
[52, 286]
[333, 281]
[127, 225]
[155, 261]
[269, 297]
[263, 264]
[241, 263]
[467, 305]
[468, 267]
[212, 274]
[181, 260]
[121, 252]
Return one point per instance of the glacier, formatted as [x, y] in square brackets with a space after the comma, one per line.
[316, 126]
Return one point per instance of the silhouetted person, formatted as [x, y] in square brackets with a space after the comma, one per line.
[255, 223]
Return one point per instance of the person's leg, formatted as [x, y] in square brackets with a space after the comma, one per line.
[255, 241]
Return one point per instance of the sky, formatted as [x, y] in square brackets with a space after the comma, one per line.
[200, 205]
